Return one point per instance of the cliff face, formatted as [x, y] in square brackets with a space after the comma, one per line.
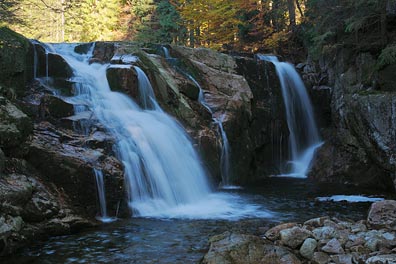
[360, 141]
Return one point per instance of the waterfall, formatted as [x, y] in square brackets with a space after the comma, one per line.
[303, 133]
[163, 174]
[102, 196]
[225, 146]
[162, 169]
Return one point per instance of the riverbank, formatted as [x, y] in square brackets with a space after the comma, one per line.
[319, 240]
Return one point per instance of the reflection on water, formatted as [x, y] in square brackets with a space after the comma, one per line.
[153, 240]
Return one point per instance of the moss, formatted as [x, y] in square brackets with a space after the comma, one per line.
[387, 56]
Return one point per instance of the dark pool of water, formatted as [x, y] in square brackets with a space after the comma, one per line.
[145, 240]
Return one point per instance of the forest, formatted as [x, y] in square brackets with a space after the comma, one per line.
[273, 26]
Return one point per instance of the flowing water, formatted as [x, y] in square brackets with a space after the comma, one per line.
[303, 133]
[225, 149]
[163, 173]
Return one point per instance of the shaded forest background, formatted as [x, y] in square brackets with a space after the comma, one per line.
[276, 26]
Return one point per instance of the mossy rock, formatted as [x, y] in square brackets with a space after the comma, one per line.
[16, 60]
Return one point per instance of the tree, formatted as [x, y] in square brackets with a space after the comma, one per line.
[211, 23]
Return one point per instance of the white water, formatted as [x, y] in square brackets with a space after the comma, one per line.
[102, 197]
[349, 199]
[303, 134]
[225, 149]
[163, 173]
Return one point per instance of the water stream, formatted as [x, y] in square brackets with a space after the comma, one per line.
[303, 133]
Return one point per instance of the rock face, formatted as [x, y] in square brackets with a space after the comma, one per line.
[360, 145]
[327, 240]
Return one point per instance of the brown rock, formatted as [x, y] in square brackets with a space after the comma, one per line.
[274, 233]
[294, 237]
[383, 215]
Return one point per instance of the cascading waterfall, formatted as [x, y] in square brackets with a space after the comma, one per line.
[303, 133]
[225, 149]
[163, 173]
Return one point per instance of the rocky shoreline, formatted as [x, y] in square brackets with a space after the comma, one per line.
[318, 241]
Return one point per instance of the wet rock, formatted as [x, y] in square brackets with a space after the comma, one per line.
[383, 215]
[53, 107]
[83, 48]
[333, 247]
[123, 78]
[294, 237]
[308, 248]
[236, 248]
[274, 233]
[64, 160]
[103, 52]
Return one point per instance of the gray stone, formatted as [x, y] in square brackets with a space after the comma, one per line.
[383, 214]
[308, 248]
[342, 259]
[382, 259]
[325, 232]
[320, 258]
[333, 247]
[294, 237]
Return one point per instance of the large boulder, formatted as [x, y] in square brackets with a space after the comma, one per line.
[64, 159]
[383, 215]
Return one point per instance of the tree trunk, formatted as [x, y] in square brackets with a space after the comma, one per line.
[292, 13]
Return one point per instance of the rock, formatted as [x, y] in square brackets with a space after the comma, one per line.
[316, 222]
[382, 214]
[294, 237]
[320, 258]
[83, 48]
[123, 78]
[16, 60]
[55, 108]
[308, 248]
[274, 233]
[333, 247]
[382, 259]
[342, 259]
[15, 125]
[325, 232]
[64, 159]
[103, 52]
[244, 249]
